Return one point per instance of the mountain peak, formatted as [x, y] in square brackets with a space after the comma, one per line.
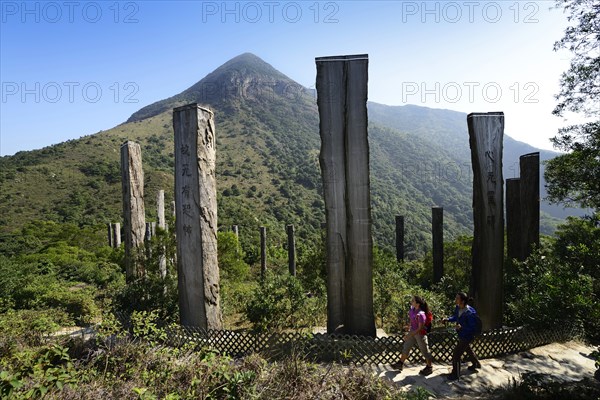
[249, 60]
[245, 76]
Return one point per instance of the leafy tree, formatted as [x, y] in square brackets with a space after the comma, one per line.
[312, 268]
[280, 302]
[574, 178]
[548, 292]
[152, 291]
[578, 245]
[231, 258]
[393, 290]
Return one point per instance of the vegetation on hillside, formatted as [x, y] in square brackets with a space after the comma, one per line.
[54, 275]
[267, 164]
[56, 270]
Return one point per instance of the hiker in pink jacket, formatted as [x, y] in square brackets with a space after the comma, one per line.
[417, 334]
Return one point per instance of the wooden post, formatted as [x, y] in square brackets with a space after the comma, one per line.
[399, 238]
[117, 234]
[162, 224]
[109, 226]
[437, 231]
[263, 252]
[236, 231]
[291, 250]
[344, 158]
[486, 131]
[148, 232]
[196, 223]
[147, 240]
[530, 202]
[160, 210]
[132, 180]
[513, 220]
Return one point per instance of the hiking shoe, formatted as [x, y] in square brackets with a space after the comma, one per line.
[451, 376]
[397, 366]
[426, 371]
[474, 367]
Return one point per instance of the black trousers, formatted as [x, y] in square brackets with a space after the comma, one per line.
[462, 346]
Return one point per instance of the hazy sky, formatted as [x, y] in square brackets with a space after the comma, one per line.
[73, 68]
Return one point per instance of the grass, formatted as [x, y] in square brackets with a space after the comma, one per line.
[118, 367]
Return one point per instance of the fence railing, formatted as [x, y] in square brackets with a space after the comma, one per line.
[361, 350]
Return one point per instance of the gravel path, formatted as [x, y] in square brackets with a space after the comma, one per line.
[564, 361]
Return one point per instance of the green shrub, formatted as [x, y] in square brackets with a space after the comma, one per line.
[578, 245]
[21, 328]
[231, 258]
[393, 293]
[34, 374]
[312, 268]
[547, 292]
[281, 302]
[151, 291]
[46, 291]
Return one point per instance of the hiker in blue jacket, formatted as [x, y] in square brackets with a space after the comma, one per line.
[466, 328]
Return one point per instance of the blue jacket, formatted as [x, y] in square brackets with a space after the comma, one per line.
[466, 321]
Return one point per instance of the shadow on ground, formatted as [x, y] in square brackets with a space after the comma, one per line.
[556, 365]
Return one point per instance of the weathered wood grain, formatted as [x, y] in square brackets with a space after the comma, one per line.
[530, 203]
[344, 158]
[134, 220]
[486, 132]
[196, 212]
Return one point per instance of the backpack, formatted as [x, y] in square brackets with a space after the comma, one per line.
[428, 321]
[478, 324]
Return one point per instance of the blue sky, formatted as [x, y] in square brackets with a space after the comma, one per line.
[73, 68]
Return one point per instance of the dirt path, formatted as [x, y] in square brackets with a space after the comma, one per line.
[564, 361]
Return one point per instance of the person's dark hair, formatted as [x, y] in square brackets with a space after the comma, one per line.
[422, 304]
[465, 298]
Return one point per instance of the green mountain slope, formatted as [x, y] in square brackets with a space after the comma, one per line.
[267, 163]
[449, 127]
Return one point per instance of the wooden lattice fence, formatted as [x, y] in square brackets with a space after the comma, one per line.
[362, 350]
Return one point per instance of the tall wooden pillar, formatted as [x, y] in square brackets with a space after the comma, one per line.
[116, 234]
[344, 158]
[530, 202]
[263, 252]
[160, 210]
[291, 242]
[513, 219]
[134, 219]
[437, 231]
[109, 227]
[486, 132]
[162, 224]
[196, 223]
